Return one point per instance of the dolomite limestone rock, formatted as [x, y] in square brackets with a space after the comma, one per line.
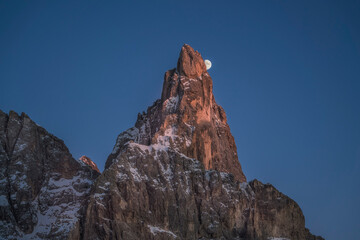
[187, 119]
[154, 192]
[89, 162]
[42, 188]
[176, 174]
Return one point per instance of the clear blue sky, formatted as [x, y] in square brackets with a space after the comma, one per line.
[286, 72]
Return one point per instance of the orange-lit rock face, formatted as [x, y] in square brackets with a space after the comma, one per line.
[190, 63]
[211, 140]
[187, 118]
[89, 162]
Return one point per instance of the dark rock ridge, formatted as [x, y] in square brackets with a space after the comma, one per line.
[42, 187]
[174, 175]
[89, 162]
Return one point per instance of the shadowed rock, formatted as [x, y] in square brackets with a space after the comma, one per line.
[42, 187]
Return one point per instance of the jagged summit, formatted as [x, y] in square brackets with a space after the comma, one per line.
[190, 63]
[187, 119]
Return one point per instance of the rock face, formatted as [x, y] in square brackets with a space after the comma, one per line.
[187, 119]
[42, 188]
[154, 192]
[91, 164]
[174, 175]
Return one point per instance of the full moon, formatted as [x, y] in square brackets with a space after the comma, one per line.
[207, 64]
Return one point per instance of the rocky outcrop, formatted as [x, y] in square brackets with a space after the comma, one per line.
[90, 163]
[187, 119]
[42, 188]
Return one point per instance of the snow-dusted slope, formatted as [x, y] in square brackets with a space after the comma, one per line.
[155, 192]
[42, 188]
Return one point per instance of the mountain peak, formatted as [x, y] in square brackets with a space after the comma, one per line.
[187, 119]
[190, 62]
[174, 175]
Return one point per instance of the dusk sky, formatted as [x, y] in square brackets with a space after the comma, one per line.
[287, 74]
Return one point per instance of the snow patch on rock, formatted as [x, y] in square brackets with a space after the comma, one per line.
[155, 230]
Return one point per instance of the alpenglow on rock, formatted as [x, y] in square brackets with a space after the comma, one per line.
[187, 119]
[89, 162]
[174, 175]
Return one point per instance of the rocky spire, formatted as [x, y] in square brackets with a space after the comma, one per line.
[190, 63]
[187, 118]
